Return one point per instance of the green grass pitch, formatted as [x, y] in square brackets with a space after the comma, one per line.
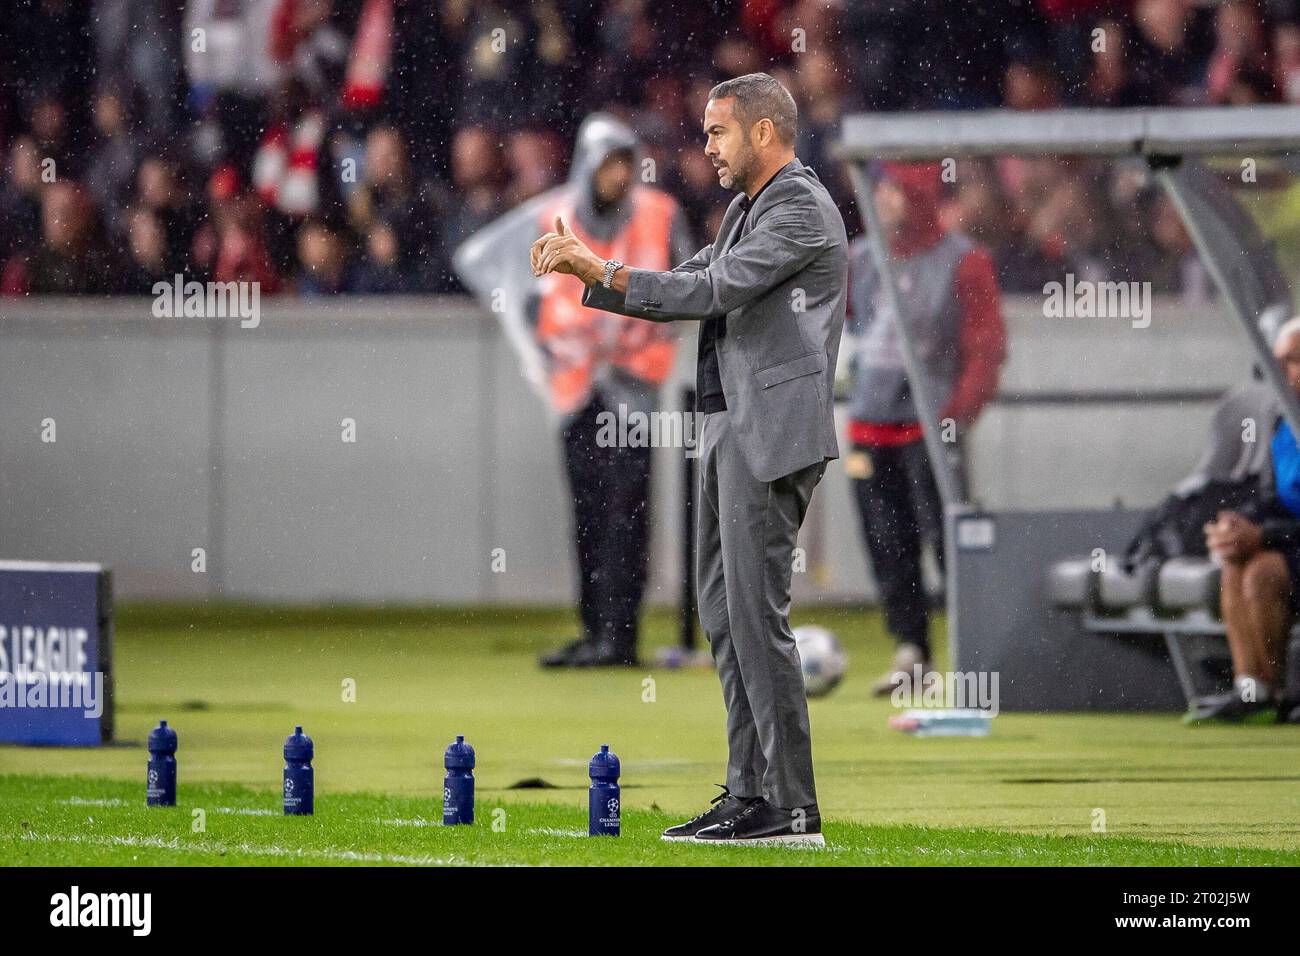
[234, 681]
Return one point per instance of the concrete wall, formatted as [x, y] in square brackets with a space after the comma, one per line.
[175, 434]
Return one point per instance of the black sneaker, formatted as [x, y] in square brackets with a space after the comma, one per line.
[563, 656]
[722, 808]
[1288, 711]
[1231, 708]
[604, 653]
[761, 823]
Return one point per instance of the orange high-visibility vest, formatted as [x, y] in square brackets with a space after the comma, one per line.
[577, 338]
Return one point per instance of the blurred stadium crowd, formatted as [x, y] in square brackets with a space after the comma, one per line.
[348, 146]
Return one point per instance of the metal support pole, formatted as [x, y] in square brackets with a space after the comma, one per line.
[1178, 657]
[1165, 175]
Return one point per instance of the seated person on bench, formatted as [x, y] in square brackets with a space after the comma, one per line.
[1258, 549]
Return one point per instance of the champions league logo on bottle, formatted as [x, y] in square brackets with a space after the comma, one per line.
[299, 776]
[458, 785]
[604, 796]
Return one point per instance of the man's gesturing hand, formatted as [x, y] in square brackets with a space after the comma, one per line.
[562, 251]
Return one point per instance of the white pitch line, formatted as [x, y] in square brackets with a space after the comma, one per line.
[557, 831]
[246, 811]
[417, 822]
[116, 802]
[156, 843]
[89, 802]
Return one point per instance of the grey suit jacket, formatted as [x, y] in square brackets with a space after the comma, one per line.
[783, 286]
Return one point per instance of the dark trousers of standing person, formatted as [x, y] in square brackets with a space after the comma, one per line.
[611, 524]
[901, 510]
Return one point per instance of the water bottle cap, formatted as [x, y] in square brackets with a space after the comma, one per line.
[605, 765]
[298, 746]
[162, 739]
[459, 756]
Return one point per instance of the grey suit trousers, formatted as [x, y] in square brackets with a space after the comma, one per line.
[746, 532]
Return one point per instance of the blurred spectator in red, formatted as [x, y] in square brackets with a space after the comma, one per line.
[341, 50]
[242, 253]
[286, 166]
[232, 245]
[307, 43]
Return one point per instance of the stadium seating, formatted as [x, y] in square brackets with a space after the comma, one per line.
[1177, 598]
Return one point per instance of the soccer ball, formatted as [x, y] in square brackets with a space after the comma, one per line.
[823, 660]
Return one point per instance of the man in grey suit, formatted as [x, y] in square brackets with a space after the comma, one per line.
[769, 295]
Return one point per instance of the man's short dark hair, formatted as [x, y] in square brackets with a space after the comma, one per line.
[760, 96]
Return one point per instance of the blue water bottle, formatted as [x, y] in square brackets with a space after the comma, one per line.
[458, 785]
[299, 778]
[160, 788]
[603, 799]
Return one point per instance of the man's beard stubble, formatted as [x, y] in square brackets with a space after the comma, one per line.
[740, 174]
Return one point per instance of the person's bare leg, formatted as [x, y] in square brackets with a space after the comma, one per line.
[1266, 593]
[1236, 617]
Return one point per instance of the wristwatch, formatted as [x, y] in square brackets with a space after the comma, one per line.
[611, 266]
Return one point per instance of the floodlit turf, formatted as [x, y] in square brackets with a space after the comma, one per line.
[106, 824]
[235, 681]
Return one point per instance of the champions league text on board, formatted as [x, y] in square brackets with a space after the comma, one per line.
[55, 654]
[45, 667]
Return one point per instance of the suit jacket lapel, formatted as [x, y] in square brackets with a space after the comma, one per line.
[725, 239]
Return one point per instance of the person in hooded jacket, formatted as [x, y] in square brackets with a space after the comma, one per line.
[952, 308]
[589, 365]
